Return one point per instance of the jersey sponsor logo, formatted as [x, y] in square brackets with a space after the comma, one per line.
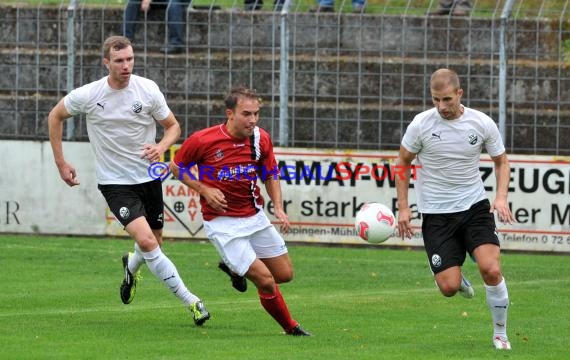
[436, 260]
[137, 106]
[239, 172]
[101, 105]
[436, 135]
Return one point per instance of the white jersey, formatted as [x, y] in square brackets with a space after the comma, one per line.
[119, 123]
[449, 152]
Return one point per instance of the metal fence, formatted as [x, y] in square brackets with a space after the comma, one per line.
[340, 80]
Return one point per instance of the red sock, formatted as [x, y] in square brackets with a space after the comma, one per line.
[276, 307]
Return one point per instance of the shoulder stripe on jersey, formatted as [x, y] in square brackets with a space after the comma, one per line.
[254, 144]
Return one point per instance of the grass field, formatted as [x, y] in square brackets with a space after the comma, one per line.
[59, 300]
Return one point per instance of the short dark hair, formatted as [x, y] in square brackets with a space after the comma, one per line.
[236, 93]
[116, 43]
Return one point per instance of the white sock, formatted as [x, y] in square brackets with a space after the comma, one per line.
[165, 271]
[498, 301]
[136, 259]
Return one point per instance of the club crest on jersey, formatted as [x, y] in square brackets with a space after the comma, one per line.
[219, 155]
[137, 106]
[472, 138]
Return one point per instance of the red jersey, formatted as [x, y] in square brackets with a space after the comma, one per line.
[231, 165]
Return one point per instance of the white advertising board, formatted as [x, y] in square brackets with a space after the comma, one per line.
[34, 199]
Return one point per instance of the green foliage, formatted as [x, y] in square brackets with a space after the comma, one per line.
[60, 300]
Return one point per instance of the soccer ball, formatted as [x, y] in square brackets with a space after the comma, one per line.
[375, 223]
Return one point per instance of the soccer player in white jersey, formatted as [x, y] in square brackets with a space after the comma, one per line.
[230, 158]
[121, 111]
[457, 217]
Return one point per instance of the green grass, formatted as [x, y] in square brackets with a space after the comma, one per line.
[59, 300]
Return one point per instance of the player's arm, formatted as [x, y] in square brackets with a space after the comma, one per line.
[56, 118]
[215, 197]
[404, 162]
[273, 187]
[153, 152]
[503, 177]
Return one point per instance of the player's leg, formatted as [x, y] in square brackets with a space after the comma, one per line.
[280, 267]
[446, 253]
[488, 256]
[449, 280]
[238, 282]
[132, 262]
[235, 258]
[154, 208]
[164, 269]
[483, 240]
[124, 203]
[271, 298]
[488, 262]
[155, 220]
[241, 259]
[272, 267]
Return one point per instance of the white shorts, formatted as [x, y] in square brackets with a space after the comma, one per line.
[240, 241]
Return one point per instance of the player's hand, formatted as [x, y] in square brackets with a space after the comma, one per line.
[152, 152]
[68, 174]
[503, 211]
[404, 223]
[216, 199]
[284, 225]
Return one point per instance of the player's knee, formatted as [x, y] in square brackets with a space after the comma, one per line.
[492, 275]
[447, 289]
[147, 242]
[265, 283]
[449, 292]
[284, 276]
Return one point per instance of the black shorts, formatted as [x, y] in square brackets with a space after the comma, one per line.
[447, 237]
[128, 202]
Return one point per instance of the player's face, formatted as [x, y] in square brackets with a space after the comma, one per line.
[244, 118]
[120, 65]
[448, 102]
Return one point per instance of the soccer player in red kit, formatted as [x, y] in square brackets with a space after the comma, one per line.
[229, 159]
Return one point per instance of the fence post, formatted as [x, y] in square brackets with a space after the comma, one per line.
[503, 69]
[70, 124]
[284, 78]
